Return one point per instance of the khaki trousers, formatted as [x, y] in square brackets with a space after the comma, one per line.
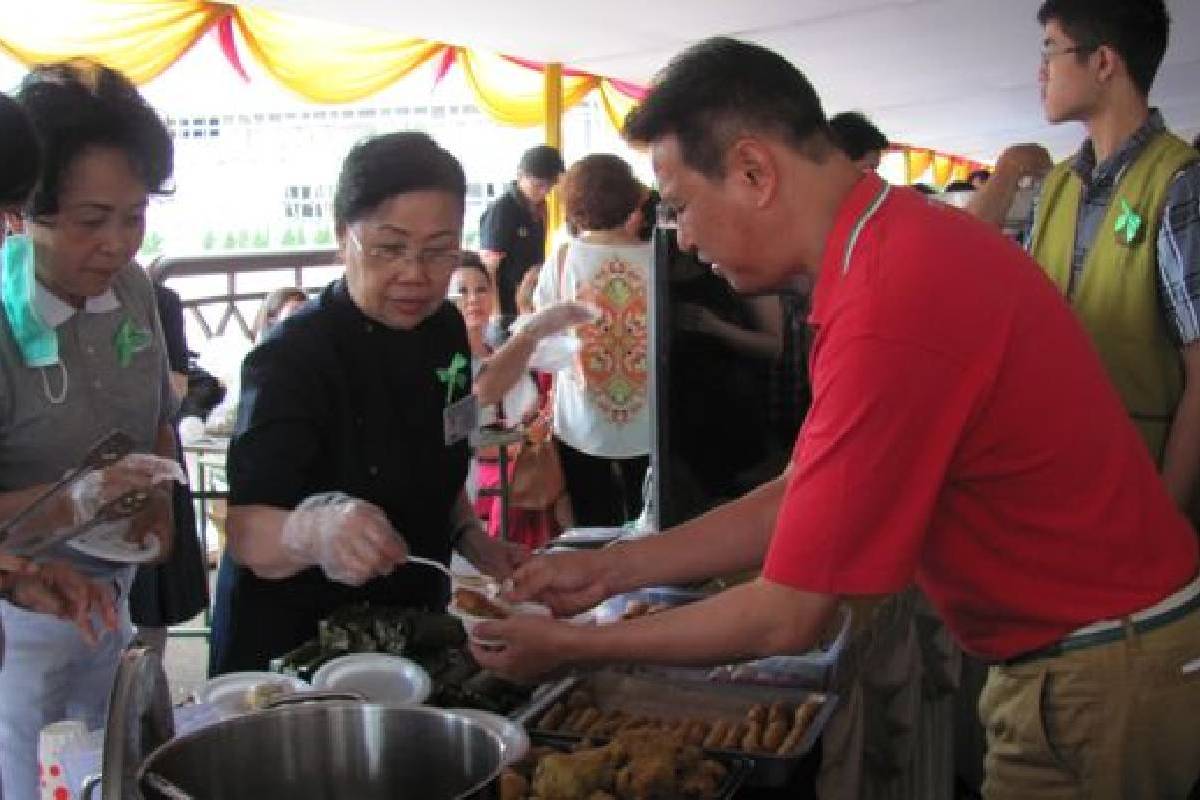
[1119, 720]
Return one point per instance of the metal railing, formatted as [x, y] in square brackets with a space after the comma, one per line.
[231, 266]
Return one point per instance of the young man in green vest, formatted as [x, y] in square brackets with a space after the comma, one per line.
[1117, 227]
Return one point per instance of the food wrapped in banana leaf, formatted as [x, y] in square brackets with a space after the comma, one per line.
[434, 640]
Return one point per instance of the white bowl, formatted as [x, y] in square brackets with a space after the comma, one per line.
[228, 694]
[380, 678]
[471, 621]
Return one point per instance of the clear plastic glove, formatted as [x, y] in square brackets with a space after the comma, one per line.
[554, 353]
[350, 539]
[555, 318]
[135, 471]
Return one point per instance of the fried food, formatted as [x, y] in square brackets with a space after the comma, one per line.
[778, 729]
[774, 735]
[720, 730]
[553, 719]
[513, 786]
[636, 765]
[586, 720]
[752, 738]
[572, 776]
[261, 695]
[477, 605]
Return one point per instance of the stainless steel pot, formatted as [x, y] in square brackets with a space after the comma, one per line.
[327, 751]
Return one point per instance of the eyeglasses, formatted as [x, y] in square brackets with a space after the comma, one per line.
[1048, 53]
[436, 259]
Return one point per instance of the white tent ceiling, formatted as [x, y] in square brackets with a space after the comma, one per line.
[956, 75]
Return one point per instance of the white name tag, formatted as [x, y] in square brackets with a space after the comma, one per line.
[460, 419]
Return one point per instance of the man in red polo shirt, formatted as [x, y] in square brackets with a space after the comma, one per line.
[963, 436]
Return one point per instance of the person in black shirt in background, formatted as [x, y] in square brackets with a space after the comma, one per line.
[176, 590]
[512, 231]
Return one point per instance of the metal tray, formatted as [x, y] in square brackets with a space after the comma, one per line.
[812, 670]
[740, 767]
[659, 697]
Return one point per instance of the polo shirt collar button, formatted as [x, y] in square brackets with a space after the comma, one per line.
[373, 470]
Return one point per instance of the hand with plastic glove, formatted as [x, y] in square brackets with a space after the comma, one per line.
[135, 471]
[350, 539]
[555, 318]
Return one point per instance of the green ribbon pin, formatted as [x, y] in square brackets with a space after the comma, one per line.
[129, 340]
[1129, 224]
[454, 375]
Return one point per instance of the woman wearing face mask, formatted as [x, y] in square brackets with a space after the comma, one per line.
[339, 464]
[56, 588]
[80, 355]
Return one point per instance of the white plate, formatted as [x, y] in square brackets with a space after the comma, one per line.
[108, 542]
[470, 621]
[512, 735]
[378, 677]
[227, 693]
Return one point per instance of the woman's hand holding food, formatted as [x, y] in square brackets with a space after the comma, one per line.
[350, 539]
[56, 589]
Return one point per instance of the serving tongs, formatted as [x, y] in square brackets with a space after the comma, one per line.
[460, 580]
[106, 452]
[115, 510]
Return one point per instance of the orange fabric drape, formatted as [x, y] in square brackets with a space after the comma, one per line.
[512, 94]
[943, 165]
[141, 38]
[918, 162]
[328, 62]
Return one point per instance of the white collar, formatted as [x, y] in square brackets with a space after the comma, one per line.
[55, 312]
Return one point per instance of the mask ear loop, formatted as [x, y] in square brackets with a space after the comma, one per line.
[56, 400]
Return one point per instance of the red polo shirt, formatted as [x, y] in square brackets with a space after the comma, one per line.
[964, 434]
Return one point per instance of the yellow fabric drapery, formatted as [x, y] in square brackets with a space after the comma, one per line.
[616, 104]
[141, 38]
[321, 61]
[918, 161]
[327, 62]
[943, 165]
[512, 94]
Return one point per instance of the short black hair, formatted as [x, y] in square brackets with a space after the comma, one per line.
[21, 158]
[80, 104]
[855, 135]
[543, 162]
[391, 164]
[1137, 29]
[721, 87]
